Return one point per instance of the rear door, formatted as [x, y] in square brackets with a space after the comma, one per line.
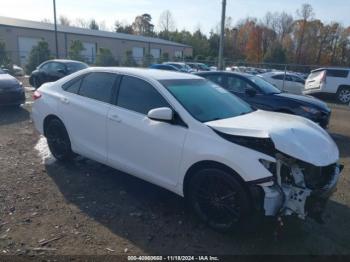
[84, 107]
[143, 147]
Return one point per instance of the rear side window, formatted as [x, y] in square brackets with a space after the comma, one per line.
[73, 85]
[98, 86]
[278, 77]
[337, 73]
[139, 96]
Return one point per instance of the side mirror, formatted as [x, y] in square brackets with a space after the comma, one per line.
[161, 114]
[250, 92]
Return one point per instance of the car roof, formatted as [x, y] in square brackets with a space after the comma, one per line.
[145, 72]
[223, 72]
[327, 68]
[64, 61]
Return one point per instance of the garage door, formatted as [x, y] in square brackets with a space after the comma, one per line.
[25, 45]
[89, 52]
[137, 54]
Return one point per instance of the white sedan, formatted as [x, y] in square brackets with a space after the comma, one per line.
[190, 136]
[286, 82]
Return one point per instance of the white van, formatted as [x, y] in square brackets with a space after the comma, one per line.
[335, 81]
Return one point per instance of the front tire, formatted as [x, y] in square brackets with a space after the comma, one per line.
[343, 95]
[58, 140]
[219, 199]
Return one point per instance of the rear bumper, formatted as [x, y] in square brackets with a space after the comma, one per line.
[12, 98]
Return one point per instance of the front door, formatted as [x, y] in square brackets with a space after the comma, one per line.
[143, 147]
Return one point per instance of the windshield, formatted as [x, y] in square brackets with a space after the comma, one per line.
[264, 86]
[206, 101]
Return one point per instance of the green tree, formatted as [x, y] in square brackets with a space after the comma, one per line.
[5, 61]
[38, 54]
[94, 25]
[165, 57]
[75, 50]
[105, 58]
[275, 54]
[129, 59]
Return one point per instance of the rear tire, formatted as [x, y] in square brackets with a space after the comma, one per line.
[219, 200]
[343, 95]
[58, 140]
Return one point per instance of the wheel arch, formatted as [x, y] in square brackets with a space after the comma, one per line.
[342, 86]
[209, 164]
[47, 120]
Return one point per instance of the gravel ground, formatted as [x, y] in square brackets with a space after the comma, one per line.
[85, 208]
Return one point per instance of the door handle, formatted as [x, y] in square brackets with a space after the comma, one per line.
[114, 118]
[64, 100]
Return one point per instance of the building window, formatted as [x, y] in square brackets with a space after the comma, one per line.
[178, 54]
[137, 54]
[155, 52]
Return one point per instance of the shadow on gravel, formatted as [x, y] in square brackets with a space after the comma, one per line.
[11, 115]
[157, 221]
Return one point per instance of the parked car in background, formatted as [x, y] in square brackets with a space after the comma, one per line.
[231, 163]
[287, 82]
[165, 67]
[11, 90]
[52, 70]
[331, 81]
[263, 95]
[183, 67]
[198, 67]
[18, 71]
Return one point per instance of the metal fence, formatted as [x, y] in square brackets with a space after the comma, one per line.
[21, 59]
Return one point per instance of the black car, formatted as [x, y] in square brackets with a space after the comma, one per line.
[11, 90]
[262, 95]
[164, 67]
[52, 70]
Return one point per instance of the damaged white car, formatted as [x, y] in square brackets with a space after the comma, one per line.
[192, 137]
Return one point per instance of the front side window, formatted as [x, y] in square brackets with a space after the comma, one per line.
[216, 78]
[57, 66]
[206, 101]
[264, 86]
[237, 85]
[139, 96]
[98, 86]
[74, 67]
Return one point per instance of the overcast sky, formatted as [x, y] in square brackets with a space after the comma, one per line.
[188, 14]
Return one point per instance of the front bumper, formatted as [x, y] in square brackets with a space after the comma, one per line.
[8, 98]
[280, 199]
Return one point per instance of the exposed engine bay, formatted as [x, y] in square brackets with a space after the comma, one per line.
[299, 189]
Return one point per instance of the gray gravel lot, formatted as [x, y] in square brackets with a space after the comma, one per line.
[87, 208]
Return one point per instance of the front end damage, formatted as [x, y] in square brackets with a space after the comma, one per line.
[298, 188]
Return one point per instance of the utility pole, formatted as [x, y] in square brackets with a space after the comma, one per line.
[55, 21]
[222, 35]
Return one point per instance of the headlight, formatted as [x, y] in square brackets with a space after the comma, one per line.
[310, 110]
[269, 165]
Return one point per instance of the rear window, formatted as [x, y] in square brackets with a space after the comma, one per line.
[337, 73]
[315, 74]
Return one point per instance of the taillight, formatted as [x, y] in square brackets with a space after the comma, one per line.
[36, 95]
[324, 77]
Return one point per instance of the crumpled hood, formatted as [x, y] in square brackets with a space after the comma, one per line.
[293, 135]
